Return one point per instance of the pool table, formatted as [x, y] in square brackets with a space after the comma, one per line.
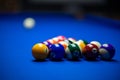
[17, 62]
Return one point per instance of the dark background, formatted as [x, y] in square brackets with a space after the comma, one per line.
[107, 8]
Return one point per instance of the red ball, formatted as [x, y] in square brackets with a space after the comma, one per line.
[90, 52]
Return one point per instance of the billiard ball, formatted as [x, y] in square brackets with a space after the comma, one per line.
[40, 51]
[84, 41]
[82, 44]
[51, 41]
[79, 49]
[48, 44]
[70, 40]
[55, 39]
[64, 44]
[90, 52]
[107, 52]
[57, 52]
[98, 44]
[29, 23]
[61, 38]
[72, 52]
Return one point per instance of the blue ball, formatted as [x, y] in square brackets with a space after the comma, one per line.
[57, 52]
[107, 52]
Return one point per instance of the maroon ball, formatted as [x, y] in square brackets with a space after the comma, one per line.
[91, 52]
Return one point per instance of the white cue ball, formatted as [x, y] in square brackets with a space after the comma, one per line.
[29, 23]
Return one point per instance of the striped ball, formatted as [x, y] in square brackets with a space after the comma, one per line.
[82, 44]
[107, 52]
[73, 52]
[98, 44]
[70, 40]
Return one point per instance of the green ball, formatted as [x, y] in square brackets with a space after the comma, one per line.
[73, 52]
[70, 40]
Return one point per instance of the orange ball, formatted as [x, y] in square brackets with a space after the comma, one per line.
[56, 40]
[40, 51]
[51, 41]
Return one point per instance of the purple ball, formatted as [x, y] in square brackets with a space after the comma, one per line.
[48, 44]
[107, 52]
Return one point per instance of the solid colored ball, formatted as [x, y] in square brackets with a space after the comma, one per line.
[40, 51]
[72, 52]
[98, 44]
[57, 52]
[91, 52]
[107, 51]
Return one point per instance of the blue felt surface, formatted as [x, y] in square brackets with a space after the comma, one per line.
[17, 63]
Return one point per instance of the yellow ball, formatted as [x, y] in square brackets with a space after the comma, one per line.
[40, 51]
